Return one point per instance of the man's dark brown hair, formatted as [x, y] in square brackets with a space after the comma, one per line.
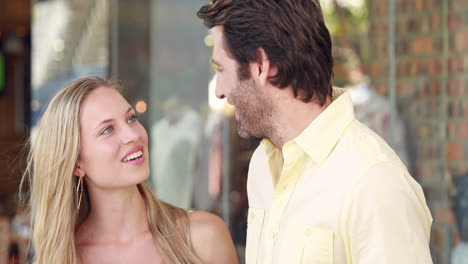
[292, 33]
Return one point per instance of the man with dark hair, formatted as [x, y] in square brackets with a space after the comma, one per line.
[322, 187]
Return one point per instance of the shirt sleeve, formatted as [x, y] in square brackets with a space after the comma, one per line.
[386, 220]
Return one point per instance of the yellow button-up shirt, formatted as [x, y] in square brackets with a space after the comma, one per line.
[335, 194]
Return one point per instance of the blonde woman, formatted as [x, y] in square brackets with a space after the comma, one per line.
[89, 201]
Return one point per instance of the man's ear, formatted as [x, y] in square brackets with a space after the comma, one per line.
[263, 70]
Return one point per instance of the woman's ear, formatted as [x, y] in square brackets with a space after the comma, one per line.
[78, 171]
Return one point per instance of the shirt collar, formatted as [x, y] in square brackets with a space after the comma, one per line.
[320, 137]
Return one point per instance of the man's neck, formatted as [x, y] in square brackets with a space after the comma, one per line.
[292, 117]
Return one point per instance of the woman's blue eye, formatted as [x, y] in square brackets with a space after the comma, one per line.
[132, 119]
[107, 130]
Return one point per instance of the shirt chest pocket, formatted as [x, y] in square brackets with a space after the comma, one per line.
[304, 244]
[254, 231]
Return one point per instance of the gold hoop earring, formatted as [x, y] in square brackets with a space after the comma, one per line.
[79, 188]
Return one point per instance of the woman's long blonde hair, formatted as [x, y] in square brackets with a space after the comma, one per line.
[52, 186]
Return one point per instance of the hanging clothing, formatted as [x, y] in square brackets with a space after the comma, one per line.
[208, 181]
[173, 155]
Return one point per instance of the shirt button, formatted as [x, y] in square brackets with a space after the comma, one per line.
[362, 137]
[274, 235]
[252, 216]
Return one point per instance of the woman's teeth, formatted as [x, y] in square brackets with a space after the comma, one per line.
[134, 156]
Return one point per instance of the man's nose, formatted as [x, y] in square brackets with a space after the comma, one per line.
[219, 91]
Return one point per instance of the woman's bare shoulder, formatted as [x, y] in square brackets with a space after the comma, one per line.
[211, 239]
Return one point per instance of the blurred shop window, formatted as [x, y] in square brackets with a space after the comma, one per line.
[70, 41]
[175, 140]
[208, 185]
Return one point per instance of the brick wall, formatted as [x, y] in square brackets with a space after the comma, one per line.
[433, 106]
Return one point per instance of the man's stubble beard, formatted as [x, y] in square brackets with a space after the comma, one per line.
[254, 111]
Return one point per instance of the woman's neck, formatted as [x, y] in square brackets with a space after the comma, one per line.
[115, 216]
